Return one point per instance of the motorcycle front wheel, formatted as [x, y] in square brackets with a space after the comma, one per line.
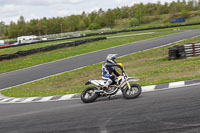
[132, 93]
[89, 95]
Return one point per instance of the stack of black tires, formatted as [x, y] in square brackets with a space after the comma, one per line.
[177, 52]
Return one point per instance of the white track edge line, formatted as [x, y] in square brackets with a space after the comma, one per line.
[117, 94]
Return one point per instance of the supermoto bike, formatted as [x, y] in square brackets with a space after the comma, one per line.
[129, 91]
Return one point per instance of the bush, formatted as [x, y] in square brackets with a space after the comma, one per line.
[185, 14]
[134, 22]
[94, 26]
[145, 20]
[166, 19]
[123, 23]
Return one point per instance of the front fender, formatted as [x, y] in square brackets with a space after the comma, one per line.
[87, 83]
[133, 79]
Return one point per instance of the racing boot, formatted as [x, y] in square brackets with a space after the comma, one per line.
[106, 85]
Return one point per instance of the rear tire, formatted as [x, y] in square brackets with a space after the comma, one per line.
[89, 95]
[133, 93]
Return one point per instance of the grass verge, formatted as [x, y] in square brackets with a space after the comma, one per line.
[151, 66]
[38, 45]
[44, 57]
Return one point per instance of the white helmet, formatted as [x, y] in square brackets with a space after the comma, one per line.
[111, 57]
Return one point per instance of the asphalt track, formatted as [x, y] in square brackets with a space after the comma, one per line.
[33, 73]
[167, 111]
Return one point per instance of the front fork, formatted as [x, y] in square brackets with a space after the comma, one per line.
[128, 84]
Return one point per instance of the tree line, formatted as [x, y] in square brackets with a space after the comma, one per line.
[136, 14]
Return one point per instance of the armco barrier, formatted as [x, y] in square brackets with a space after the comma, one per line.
[184, 51]
[48, 48]
[104, 33]
[192, 49]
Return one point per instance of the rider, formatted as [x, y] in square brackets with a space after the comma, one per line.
[108, 68]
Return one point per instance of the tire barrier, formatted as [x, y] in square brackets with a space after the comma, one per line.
[42, 41]
[104, 33]
[48, 48]
[132, 30]
[172, 54]
[184, 51]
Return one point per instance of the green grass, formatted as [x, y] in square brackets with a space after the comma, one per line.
[160, 23]
[27, 47]
[39, 45]
[43, 57]
[151, 66]
[160, 20]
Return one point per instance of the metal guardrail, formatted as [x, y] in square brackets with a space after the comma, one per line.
[192, 49]
[184, 51]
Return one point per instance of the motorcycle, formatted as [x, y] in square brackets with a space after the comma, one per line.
[129, 91]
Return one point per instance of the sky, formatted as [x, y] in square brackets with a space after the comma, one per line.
[11, 10]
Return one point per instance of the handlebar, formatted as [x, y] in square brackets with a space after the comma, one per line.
[124, 74]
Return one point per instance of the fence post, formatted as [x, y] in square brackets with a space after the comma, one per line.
[193, 49]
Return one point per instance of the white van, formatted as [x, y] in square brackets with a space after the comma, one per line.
[44, 39]
[27, 39]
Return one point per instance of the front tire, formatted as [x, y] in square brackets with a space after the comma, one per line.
[134, 92]
[89, 95]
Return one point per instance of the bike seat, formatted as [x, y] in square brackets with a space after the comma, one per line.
[98, 82]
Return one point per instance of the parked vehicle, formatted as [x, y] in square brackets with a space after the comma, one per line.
[2, 42]
[27, 39]
[129, 91]
[6, 45]
[44, 39]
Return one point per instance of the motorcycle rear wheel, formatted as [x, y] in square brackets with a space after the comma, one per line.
[89, 95]
[132, 93]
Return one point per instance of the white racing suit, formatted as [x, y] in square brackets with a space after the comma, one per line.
[107, 70]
